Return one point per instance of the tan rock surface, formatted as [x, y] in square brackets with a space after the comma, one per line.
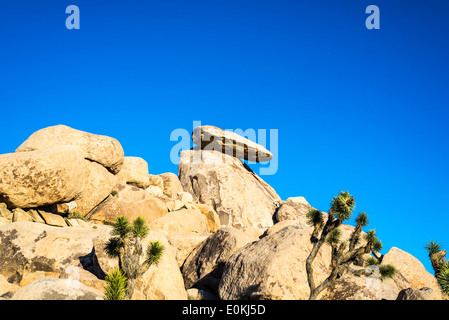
[99, 148]
[130, 202]
[237, 194]
[40, 178]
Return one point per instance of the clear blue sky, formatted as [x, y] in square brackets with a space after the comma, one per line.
[356, 109]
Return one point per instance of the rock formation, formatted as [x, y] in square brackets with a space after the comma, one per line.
[227, 234]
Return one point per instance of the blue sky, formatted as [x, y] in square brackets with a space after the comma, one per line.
[356, 109]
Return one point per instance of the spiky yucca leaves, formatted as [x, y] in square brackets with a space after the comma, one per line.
[371, 261]
[362, 219]
[154, 253]
[115, 288]
[443, 278]
[126, 245]
[344, 253]
[342, 206]
[437, 255]
[139, 228]
[387, 271]
[121, 227]
[334, 237]
[433, 247]
[315, 219]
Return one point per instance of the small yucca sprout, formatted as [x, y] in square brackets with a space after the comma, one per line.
[333, 237]
[343, 205]
[154, 253]
[115, 288]
[362, 219]
[387, 271]
[371, 261]
[315, 217]
[139, 228]
[433, 247]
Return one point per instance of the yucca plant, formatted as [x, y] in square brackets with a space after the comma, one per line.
[371, 261]
[436, 255]
[387, 271]
[343, 252]
[440, 264]
[126, 245]
[115, 288]
[315, 219]
[443, 278]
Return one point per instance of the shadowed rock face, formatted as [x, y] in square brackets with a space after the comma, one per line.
[239, 196]
[102, 149]
[40, 178]
[230, 143]
[415, 294]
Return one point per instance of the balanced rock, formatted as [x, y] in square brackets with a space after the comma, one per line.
[102, 149]
[230, 143]
[130, 202]
[134, 172]
[239, 196]
[43, 177]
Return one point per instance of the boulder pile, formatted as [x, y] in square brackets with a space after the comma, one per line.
[227, 234]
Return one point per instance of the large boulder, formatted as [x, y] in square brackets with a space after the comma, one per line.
[57, 289]
[180, 222]
[161, 282]
[290, 210]
[412, 269]
[231, 188]
[28, 247]
[204, 266]
[365, 287]
[102, 149]
[131, 202]
[273, 268]
[7, 288]
[43, 177]
[99, 184]
[230, 143]
[134, 172]
[417, 294]
[184, 244]
[171, 184]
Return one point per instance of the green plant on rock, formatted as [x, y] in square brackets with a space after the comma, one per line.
[116, 283]
[126, 245]
[440, 264]
[387, 271]
[443, 278]
[343, 252]
[76, 215]
[371, 261]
